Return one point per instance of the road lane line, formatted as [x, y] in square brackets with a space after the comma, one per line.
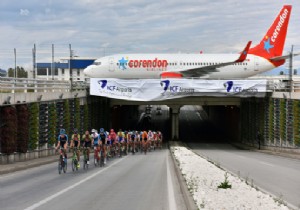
[46, 200]
[265, 163]
[172, 203]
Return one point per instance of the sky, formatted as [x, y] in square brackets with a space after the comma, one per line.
[95, 28]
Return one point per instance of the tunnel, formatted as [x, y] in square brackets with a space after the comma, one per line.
[205, 124]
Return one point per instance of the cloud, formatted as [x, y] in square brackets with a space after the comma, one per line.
[24, 12]
[136, 26]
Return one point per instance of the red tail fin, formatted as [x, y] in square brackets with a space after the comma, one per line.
[273, 42]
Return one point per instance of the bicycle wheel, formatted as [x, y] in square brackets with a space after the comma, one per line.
[73, 165]
[59, 168]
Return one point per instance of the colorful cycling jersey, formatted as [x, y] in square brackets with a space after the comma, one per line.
[76, 139]
[120, 136]
[63, 139]
[102, 136]
[95, 136]
[87, 140]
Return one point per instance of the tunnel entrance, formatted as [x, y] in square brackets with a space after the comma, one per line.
[207, 124]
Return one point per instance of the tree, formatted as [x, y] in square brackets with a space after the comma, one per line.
[21, 73]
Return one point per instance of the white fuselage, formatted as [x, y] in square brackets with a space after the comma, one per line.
[151, 66]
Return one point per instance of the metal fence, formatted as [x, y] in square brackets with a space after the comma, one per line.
[13, 85]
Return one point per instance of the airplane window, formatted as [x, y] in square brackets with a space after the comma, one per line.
[97, 63]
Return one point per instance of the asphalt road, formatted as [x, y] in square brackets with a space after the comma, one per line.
[132, 182]
[278, 175]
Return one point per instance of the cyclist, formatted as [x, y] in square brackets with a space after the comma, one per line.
[96, 145]
[87, 143]
[103, 136]
[150, 140]
[145, 141]
[75, 143]
[103, 139]
[62, 142]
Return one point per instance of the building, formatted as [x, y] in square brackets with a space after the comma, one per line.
[3, 73]
[65, 69]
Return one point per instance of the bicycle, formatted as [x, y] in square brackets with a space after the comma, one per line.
[75, 164]
[85, 159]
[62, 162]
[101, 162]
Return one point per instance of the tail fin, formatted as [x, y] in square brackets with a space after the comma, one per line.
[273, 42]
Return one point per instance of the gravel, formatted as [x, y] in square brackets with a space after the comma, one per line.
[203, 178]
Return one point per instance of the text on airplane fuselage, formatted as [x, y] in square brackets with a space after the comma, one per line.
[150, 64]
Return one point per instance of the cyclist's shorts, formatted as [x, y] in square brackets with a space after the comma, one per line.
[87, 144]
[120, 139]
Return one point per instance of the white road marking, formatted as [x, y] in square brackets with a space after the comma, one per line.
[46, 200]
[172, 203]
[264, 163]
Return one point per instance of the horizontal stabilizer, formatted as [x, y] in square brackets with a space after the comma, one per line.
[283, 57]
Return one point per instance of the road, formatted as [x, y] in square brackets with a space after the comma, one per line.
[278, 175]
[132, 182]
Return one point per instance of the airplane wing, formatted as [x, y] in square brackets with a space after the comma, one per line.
[202, 71]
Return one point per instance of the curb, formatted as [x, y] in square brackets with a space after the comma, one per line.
[189, 201]
[26, 166]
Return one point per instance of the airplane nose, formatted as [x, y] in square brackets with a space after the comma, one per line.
[87, 71]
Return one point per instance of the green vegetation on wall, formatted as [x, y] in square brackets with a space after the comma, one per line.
[52, 124]
[33, 126]
[282, 119]
[86, 117]
[271, 121]
[8, 132]
[23, 128]
[67, 117]
[296, 111]
[77, 114]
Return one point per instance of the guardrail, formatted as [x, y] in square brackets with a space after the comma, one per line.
[13, 85]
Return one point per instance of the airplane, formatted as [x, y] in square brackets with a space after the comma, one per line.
[251, 61]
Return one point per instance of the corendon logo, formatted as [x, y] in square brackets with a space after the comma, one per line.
[281, 21]
[156, 63]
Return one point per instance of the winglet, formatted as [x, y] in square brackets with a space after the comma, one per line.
[244, 53]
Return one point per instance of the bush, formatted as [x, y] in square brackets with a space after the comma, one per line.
[23, 128]
[225, 184]
[8, 132]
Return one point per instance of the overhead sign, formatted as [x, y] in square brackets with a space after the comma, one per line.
[163, 89]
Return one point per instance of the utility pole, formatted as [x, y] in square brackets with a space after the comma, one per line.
[52, 63]
[70, 66]
[291, 70]
[34, 61]
[15, 54]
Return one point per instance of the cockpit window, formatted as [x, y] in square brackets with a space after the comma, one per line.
[97, 63]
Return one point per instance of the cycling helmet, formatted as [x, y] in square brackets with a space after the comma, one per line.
[62, 131]
[94, 131]
[75, 130]
[101, 130]
[111, 130]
